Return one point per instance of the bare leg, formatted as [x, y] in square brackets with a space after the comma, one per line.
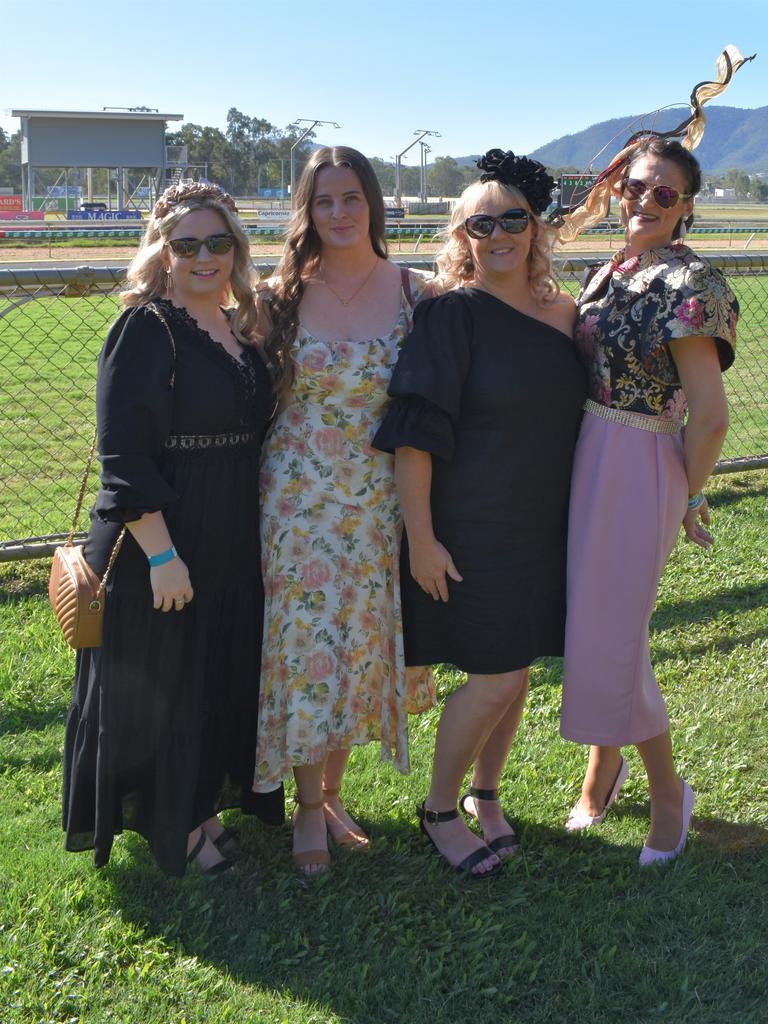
[470, 715]
[489, 766]
[309, 828]
[666, 791]
[213, 828]
[603, 767]
[340, 824]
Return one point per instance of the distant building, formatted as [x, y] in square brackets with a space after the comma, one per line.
[725, 193]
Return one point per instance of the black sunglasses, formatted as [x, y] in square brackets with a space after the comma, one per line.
[186, 248]
[663, 195]
[481, 225]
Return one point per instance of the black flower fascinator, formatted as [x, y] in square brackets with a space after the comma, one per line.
[529, 176]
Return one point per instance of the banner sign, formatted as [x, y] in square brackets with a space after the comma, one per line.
[64, 191]
[21, 214]
[394, 212]
[10, 203]
[274, 215]
[103, 215]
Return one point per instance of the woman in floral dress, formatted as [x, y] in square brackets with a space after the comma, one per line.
[333, 669]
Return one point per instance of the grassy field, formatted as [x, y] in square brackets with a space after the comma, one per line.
[571, 932]
[48, 351]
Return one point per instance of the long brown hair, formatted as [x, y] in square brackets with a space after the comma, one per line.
[303, 250]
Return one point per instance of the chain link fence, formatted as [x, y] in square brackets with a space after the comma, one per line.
[52, 326]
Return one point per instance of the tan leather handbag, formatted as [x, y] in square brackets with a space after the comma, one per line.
[75, 591]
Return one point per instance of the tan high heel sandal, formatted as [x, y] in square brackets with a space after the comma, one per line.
[320, 857]
[349, 838]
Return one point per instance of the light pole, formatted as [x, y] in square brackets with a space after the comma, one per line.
[425, 148]
[312, 124]
[421, 134]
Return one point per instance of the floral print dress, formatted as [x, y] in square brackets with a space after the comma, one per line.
[333, 668]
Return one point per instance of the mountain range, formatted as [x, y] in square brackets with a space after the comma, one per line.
[733, 137]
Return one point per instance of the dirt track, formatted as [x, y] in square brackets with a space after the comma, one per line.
[121, 254]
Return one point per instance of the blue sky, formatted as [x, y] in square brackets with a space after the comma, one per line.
[508, 73]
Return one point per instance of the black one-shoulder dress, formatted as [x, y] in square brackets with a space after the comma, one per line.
[496, 397]
[161, 732]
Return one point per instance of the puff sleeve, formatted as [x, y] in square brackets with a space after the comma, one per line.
[134, 398]
[696, 299]
[428, 379]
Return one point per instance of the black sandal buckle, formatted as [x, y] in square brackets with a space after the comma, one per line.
[435, 817]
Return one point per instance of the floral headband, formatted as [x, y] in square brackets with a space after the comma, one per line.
[528, 176]
[194, 191]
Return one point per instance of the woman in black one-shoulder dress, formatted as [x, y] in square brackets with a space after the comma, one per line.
[161, 733]
[487, 395]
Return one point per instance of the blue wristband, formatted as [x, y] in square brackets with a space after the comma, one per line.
[162, 558]
[696, 501]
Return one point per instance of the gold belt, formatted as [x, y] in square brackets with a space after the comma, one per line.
[633, 419]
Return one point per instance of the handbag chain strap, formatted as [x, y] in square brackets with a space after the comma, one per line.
[83, 486]
[89, 462]
[164, 322]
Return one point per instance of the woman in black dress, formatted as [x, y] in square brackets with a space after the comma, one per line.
[161, 732]
[488, 393]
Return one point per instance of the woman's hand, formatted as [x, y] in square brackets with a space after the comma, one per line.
[430, 562]
[170, 584]
[694, 531]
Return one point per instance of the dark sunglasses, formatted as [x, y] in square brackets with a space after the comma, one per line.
[663, 195]
[481, 225]
[186, 248]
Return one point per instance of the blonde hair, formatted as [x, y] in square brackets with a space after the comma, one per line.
[454, 260]
[147, 275]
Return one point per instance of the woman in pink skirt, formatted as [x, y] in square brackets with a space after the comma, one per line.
[656, 327]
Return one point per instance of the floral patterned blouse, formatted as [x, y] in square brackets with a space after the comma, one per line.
[629, 311]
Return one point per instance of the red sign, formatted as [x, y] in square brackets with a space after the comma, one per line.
[8, 203]
[22, 215]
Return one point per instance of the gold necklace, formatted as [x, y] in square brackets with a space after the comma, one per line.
[346, 302]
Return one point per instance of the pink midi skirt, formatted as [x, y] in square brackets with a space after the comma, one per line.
[628, 498]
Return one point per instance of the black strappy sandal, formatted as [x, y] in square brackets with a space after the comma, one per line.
[214, 869]
[505, 842]
[227, 842]
[465, 867]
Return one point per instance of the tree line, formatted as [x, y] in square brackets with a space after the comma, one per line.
[251, 155]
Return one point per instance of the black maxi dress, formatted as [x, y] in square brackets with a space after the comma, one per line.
[496, 397]
[161, 732]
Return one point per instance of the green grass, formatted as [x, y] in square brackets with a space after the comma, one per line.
[571, 932]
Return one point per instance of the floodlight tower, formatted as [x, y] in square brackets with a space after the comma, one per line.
[421, 134]
[304, 134]
[425, 148]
